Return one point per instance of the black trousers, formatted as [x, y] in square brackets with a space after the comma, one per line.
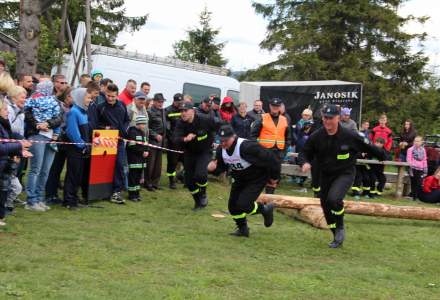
[416, 183]
[154, 167]
[72, 182]
[362, 181]
[379, 177]
[5, 182]
[433, 197]
[54, 178]
[134, 182]
[3, 198]
[316, 177]
[196, 170]
[173, 159]
[86, 178]
[242, 199]
[334, 187]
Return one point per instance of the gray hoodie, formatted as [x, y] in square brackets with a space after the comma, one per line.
[78, 97]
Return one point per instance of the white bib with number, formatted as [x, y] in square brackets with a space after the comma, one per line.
[235, 161]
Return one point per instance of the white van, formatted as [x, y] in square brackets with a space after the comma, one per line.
[165, 75]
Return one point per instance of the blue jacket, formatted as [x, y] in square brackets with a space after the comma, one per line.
[77, 126]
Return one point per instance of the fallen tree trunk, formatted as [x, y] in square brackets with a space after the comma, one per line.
[357, 208]
[311, 214]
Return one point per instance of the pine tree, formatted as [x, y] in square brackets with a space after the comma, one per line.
[200, 45]
[352, 40]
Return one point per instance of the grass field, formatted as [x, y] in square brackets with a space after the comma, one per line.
[160, 249]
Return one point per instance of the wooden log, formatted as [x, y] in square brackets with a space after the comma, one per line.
[311, 214]
[357, 207]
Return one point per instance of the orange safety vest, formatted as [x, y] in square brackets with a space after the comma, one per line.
[271, 135]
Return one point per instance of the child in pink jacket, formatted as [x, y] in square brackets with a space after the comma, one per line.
[418, 163]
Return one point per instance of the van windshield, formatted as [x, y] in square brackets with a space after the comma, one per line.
[198, 92]
[234, 95]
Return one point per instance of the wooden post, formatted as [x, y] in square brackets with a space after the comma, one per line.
[88, 37]
[62, 33]
[399, 184]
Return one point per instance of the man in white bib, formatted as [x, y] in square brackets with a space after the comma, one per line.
[252, 166]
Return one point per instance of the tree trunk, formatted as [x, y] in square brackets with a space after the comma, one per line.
[310, 214]
[62, 33]
[27, 51]
[357, 208]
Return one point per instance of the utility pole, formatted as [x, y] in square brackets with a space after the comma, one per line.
[88, 37]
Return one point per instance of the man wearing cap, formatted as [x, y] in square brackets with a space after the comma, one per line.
[335, 149]
[195, 133]
[157, 125]
[205, 106]
[173, 113]
[252, 166]
[137, 108]
[273, 131]
[215, 106]
[136, 155]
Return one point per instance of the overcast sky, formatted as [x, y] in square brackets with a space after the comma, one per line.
[240, 28]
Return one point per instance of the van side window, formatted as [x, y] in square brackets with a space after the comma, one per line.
[234, 95]
[198, 92]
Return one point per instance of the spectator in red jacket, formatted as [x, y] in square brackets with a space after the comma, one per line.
[227, 109]
[431, 188]
[127, 94]
[382, 131]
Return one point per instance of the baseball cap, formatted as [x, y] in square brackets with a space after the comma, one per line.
[225, 132]
[186, 106]
[216, 100]
[140, 95]
[275, 101]
[206, 100]
[331, 110]
[178, 97]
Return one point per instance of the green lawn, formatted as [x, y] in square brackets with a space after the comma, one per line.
[160, 249]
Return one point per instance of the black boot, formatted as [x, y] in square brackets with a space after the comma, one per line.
[267, 213]
[149, 188]
[270, 190]
[242, 230]
[197, 205]
[339, 237]
[203, 197]
[172, 182]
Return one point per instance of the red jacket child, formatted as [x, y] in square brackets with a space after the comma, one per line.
[430, 183]
[382, 131]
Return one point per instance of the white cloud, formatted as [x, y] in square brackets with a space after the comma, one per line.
[429, 8]
[240, 28]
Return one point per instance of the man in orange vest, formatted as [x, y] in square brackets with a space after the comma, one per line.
[273, 131]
